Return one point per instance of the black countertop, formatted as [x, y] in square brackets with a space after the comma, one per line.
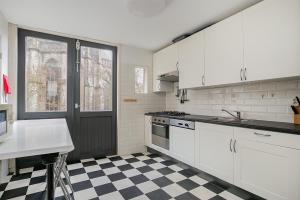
[253, 124]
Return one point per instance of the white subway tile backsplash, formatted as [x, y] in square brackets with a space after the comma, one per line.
[260, 100]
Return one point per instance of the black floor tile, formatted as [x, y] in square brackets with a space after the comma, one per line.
[165, 171]
[75, 172]
[153, 155]
[138, 154]
[89, 163]
[117, 176]
[115, 158]
[168, 162]
[217, 198]
[139, 179]
[3, 186]
[125, 167]
[187, 196]
[131, 192]
[132, 160]
[214, 187]
[188, 184]
[162, 181]
[106, 165]
[145, 169]
[105, 189]
[38, 179]
[158, 195]
[239, 192]
[82, 185]
[36, 196]
[20, 176]
[188, 172]
[96, 174]
[14, 193]
[39, 167]
[149, 161]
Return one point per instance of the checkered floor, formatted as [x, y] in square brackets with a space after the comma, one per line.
[137, 176]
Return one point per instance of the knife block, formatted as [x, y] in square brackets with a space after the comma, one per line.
[297, 119]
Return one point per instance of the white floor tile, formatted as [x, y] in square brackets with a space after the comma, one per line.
[157, 166]
[92, 168]
[124, 183]
[112, 196]
[17, 184]
[75, 166]
[36, 188]
[131, 173]
[100, 181]
[111, 170]
[174, 190]
[176, 177]
[86, 194]
[120, 162]
[198, 180]
[229, 196]
[153, 175]
[103, 161]
[147, 187]
[79, 178]
[202, 193]
[138, 164]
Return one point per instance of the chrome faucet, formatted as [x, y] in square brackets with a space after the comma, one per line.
[238, 114]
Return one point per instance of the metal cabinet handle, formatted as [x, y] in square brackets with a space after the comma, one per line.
[230, 147]
[241, 74]
[262, 135]
[234, 143]
[245, 74]
[203, 80]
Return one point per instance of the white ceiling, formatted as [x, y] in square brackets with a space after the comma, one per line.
[110, 20]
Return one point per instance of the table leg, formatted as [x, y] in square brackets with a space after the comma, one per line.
[49, 161]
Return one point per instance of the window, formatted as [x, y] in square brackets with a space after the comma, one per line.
[95, 79]
[140, 80]
[45, 75]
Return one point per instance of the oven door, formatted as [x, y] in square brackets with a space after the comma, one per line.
[160, 135]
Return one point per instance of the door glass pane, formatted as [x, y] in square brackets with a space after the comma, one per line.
[95, 79]
[45, 75]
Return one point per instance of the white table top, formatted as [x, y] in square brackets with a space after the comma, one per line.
[36, 137]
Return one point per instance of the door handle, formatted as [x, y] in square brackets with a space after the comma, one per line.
[77, 106]
[245, 74]
[241, 76]
[262, 135]
[234, 149]
[230, 147]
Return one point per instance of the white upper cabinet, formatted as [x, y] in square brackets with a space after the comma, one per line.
[166, 60]
[191, 61]
[224, 52]
[272, 42]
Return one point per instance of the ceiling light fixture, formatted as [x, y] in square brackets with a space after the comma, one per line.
[146, 8]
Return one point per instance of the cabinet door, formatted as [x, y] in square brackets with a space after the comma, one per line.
[166, 59]
[148, 130]
[182, 144]
[191, 61]
[216, 156]
[269, 171]
[272, 42]
[224, 51]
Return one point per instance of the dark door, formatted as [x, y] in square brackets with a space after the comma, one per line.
[51, 82]
[96, 99]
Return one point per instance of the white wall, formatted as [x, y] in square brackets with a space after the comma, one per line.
[131, 115]
[260, 100]
[4, 51]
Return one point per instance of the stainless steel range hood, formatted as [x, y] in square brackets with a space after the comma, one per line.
[169, 77]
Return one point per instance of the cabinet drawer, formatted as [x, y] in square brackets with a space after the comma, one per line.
[268, 137]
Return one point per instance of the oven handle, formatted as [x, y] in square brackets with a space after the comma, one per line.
[162, 126]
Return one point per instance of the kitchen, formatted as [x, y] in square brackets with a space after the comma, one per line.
[204, 109]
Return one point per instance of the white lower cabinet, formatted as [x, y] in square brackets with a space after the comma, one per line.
[182, 144]
[270, 171]
[148, 130]
[215, 150]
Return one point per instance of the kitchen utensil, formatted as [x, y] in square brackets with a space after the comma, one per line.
[294, 109]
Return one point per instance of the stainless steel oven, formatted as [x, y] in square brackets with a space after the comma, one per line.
[160, 132]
